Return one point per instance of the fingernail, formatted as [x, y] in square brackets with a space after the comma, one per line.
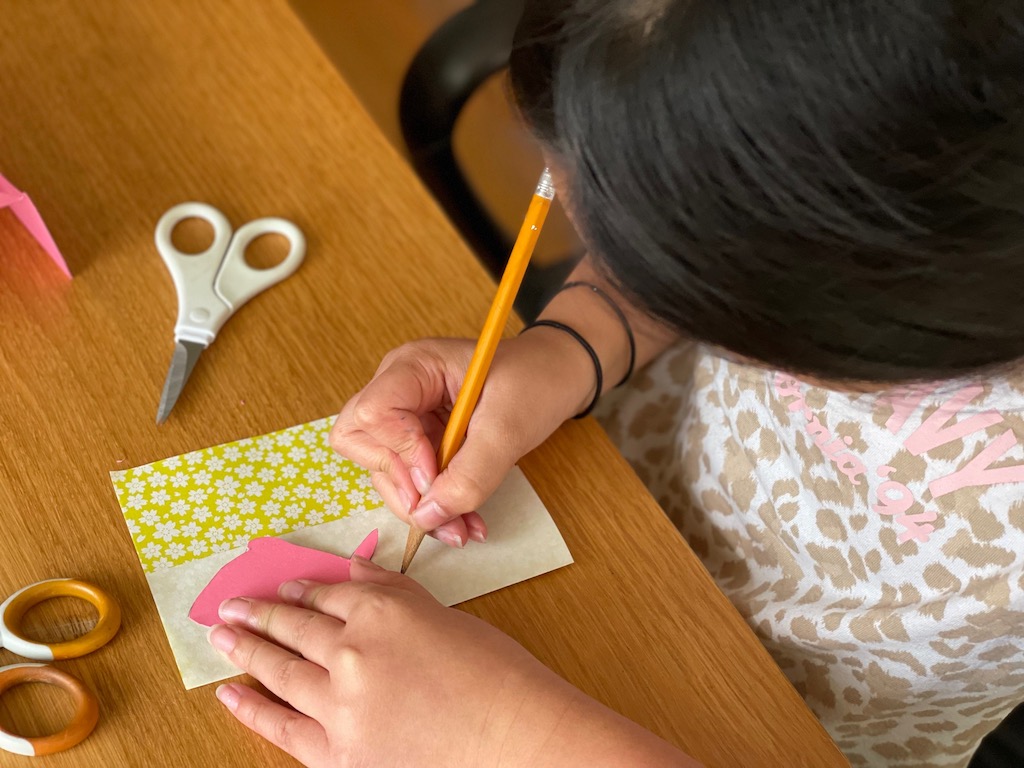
[419, 479]
[449, 538]
[476, 533]
[366, 563]
[222, 637]
[406, 500]
[291, 591]
[235, 609]
[428, 516]
[228, 696]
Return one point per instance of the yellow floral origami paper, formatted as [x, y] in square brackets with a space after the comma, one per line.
[188, 507]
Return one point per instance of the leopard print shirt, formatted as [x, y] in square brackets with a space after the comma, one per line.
[874, 543]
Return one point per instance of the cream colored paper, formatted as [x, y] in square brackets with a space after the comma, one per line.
[523, 540]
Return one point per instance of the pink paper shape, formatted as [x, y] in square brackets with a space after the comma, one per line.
[266, 564]
[23, 207]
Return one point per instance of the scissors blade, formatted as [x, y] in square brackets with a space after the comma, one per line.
[182, 362]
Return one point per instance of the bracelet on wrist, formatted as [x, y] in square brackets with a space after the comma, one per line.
[618, 313]
[599, 375]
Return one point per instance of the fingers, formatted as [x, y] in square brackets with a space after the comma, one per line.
[301, 683]
[457, 531]
[433, 427]
[473, 474]
[370, 585]
[337, 600]
[301, 737]
[454, 533]
[367, 572]
[399, 493]
[475, 526]
[382, 427]
[398, 499]
[393, 427]
[313, 635]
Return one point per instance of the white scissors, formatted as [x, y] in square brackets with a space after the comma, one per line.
[212, 284]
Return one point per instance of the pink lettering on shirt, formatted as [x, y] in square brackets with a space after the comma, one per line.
[933, 431]
[904, 402]
[894, 499]
[979, 471]
[836, 449]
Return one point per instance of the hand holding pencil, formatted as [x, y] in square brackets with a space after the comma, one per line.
[497, 318]
[394, 425]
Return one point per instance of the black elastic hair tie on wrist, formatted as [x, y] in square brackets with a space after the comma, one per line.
[618, 313]
[590, 351]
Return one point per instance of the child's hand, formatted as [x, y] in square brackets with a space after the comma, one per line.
[381, 674]
[394, 425]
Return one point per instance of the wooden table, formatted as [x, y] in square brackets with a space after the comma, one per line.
[112, 111]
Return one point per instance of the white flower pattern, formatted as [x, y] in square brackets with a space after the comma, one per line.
[188, 507]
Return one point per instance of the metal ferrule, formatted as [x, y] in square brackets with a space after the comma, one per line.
[546, 186]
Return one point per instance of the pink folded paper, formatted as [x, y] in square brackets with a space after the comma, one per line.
[266, 564]
[13, 198]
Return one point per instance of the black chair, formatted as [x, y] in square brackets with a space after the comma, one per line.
[1004, 747]
[466, 50]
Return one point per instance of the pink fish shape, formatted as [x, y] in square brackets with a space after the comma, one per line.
[266, 564]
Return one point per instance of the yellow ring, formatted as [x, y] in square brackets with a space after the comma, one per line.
[87, 711]
[106, 626]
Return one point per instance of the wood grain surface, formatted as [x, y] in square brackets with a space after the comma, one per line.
[112, 111]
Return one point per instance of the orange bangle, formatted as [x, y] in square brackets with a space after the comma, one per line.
[82, 723]
[17, 605]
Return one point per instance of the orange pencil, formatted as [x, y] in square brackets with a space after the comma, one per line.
[497, 317]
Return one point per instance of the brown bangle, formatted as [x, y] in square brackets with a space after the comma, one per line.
[82, 722]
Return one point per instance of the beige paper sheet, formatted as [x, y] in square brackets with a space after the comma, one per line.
[523, 542]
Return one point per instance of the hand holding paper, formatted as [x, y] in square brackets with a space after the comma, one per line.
[264, 566]
[22, 207]
[380, 673]
[344, 658]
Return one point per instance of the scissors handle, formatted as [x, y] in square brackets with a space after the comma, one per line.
[87, 711]
[200, 311]
[14, 608]
[213, 284]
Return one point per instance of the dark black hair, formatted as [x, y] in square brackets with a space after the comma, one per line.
[832, 188]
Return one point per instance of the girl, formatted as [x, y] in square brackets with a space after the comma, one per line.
[810, 216]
